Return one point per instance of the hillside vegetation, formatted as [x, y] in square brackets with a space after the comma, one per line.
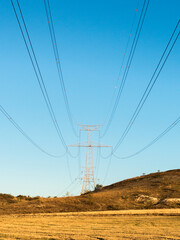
[156, 190]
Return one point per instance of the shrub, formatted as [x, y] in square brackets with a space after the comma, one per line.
[98, 187]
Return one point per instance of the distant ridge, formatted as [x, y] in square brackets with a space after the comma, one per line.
[155, 190]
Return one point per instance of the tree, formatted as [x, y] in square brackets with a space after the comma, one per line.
[98, 187]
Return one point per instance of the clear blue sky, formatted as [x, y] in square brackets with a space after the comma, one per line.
[91, 37]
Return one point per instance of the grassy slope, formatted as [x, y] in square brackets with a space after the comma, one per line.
[132, 193]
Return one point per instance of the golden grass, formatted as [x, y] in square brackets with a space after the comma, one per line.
[127, 224]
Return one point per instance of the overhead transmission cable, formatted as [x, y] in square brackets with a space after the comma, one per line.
[79, 160]
[122, 63]
[142, 149]
[128, 63]
[108, 166]
[68, 167]
[150, 85]
[153, 141]
[97, 163]
[79, 157]
[6, 114]
[38, 73]
[66, 188]
[57, 60]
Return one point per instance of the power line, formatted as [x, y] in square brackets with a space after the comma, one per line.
[66, 188]
[153, 141]
[129, 61]
[57, 60]
[6, 114]
[38, 72]
[98, 156]
[39, 76]
[142, 149]
[108, 167]
[79, 163]
[79, 157]
[122, 64]
[68, 167]
[149, 87]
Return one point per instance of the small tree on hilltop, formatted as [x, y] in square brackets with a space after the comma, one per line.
[98, 187]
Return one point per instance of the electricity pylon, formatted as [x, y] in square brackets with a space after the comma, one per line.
[89, 180]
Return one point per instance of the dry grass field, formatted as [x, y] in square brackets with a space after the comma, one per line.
[156, 195]
[125, 224]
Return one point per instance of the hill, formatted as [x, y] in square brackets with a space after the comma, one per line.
[155, 190]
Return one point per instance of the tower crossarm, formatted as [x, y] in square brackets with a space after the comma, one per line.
[89, 145]
[89, 127]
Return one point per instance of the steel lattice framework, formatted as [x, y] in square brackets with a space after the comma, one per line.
[89, 180]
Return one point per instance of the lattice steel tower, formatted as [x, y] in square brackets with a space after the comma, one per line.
[89, 180]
